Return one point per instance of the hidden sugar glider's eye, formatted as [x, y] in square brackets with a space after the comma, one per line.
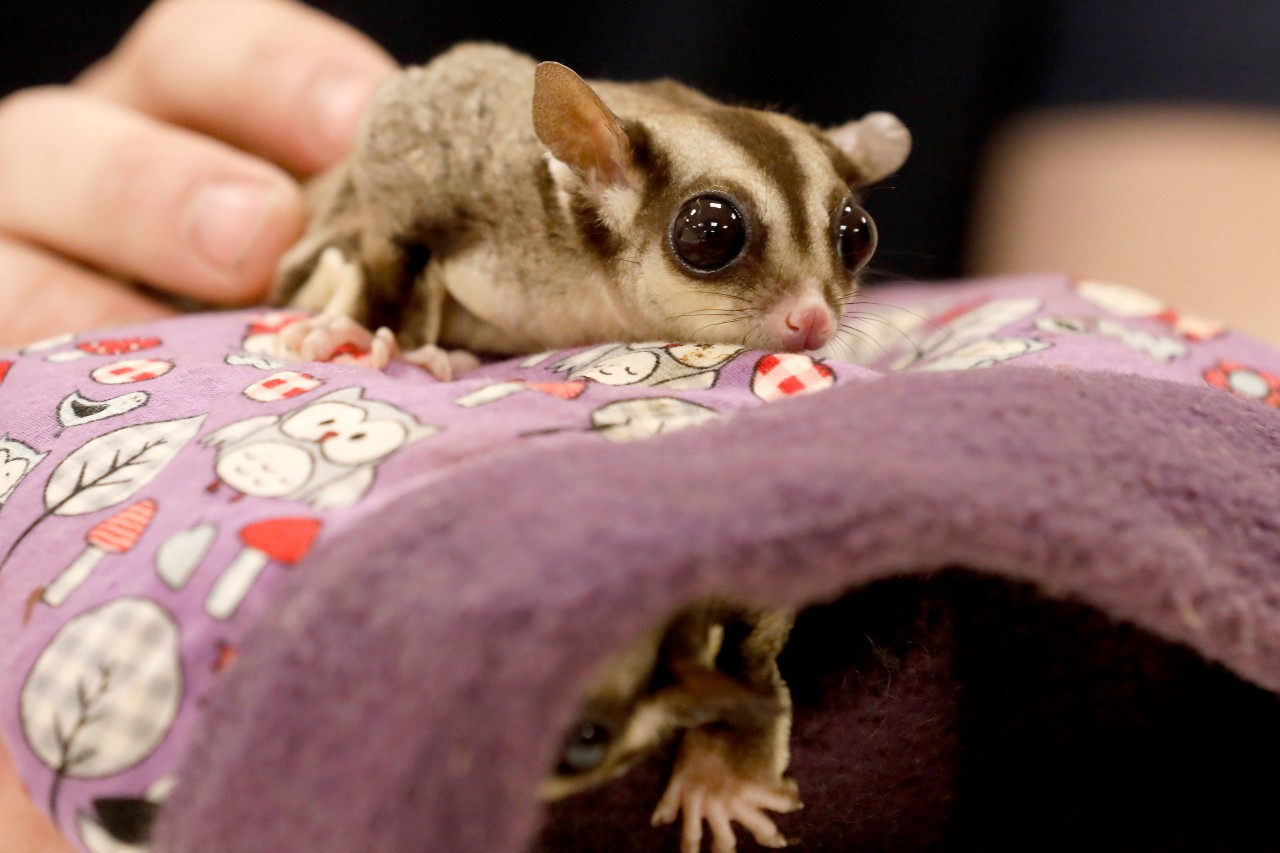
[584, 749]
[708, 234]
[855, 236]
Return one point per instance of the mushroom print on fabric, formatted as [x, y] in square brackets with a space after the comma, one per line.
[110, 469]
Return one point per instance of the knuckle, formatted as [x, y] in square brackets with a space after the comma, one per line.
[59, 295]
[124, 178]
[18, 108]
[163, 16]
[146, 53]
[27, 282]
[29, 119]
[22, 274]
[136, 53]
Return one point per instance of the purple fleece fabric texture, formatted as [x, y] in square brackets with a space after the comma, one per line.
[348, 610]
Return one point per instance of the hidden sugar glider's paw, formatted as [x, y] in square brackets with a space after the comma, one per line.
[707, 786]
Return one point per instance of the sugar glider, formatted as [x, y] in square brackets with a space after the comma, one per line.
[496, 205]
[708, 678]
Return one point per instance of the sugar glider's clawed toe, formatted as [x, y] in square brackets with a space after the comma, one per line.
[709, 678]
[336, 287]
[339, 339]
[443, 364]
[709, 785]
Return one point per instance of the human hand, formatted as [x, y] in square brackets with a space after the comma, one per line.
[171, 162]
[23, 826]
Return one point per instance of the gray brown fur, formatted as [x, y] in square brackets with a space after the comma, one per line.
[524, 253]
[495, 205]
[711, 665]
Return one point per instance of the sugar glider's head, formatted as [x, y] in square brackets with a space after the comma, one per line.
[718, 224]
[641, 696]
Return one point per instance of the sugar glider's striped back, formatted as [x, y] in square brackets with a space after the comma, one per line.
[500, 205]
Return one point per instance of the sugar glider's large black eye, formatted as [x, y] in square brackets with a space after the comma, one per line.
[708, 233]
[855, 236]
[584, 749]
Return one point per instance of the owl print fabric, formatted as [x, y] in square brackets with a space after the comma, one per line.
[159, 484]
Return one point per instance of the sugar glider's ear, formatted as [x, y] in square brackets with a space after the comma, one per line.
[877, 144]
[579, 130]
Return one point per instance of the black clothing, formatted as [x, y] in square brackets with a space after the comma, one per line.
[950, 70]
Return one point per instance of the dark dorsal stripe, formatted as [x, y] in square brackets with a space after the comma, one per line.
[651, 163]
[773, 154]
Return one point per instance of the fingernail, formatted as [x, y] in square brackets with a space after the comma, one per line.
[225, 218]
[338, 100]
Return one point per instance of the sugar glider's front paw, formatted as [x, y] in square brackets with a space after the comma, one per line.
[337, 339]
[335, 287]
[443, 364]
[708, 785]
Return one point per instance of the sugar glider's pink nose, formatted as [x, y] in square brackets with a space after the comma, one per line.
[806, 328]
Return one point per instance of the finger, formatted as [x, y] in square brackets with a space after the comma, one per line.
[691, 837]
[762, 829]
[774, 801]
[57, 296]
[723, 839]
[669, 806]
[275, 78]
[25, 826]
[142, 200]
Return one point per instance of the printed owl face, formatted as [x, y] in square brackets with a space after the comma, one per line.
[346, 433]
[16, 461]
[628, 368]
[323, 453]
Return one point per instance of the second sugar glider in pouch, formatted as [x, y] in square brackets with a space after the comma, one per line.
[707, 678]
[495, 205]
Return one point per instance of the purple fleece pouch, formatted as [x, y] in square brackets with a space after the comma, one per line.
[318, 607]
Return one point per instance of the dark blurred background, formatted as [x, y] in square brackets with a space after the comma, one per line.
[951, 70]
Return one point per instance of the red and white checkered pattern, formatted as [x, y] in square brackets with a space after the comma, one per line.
[274, 321]
[1244, 381]
[105, 692]
[281, 386]
[786, 374]
[133, 370]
